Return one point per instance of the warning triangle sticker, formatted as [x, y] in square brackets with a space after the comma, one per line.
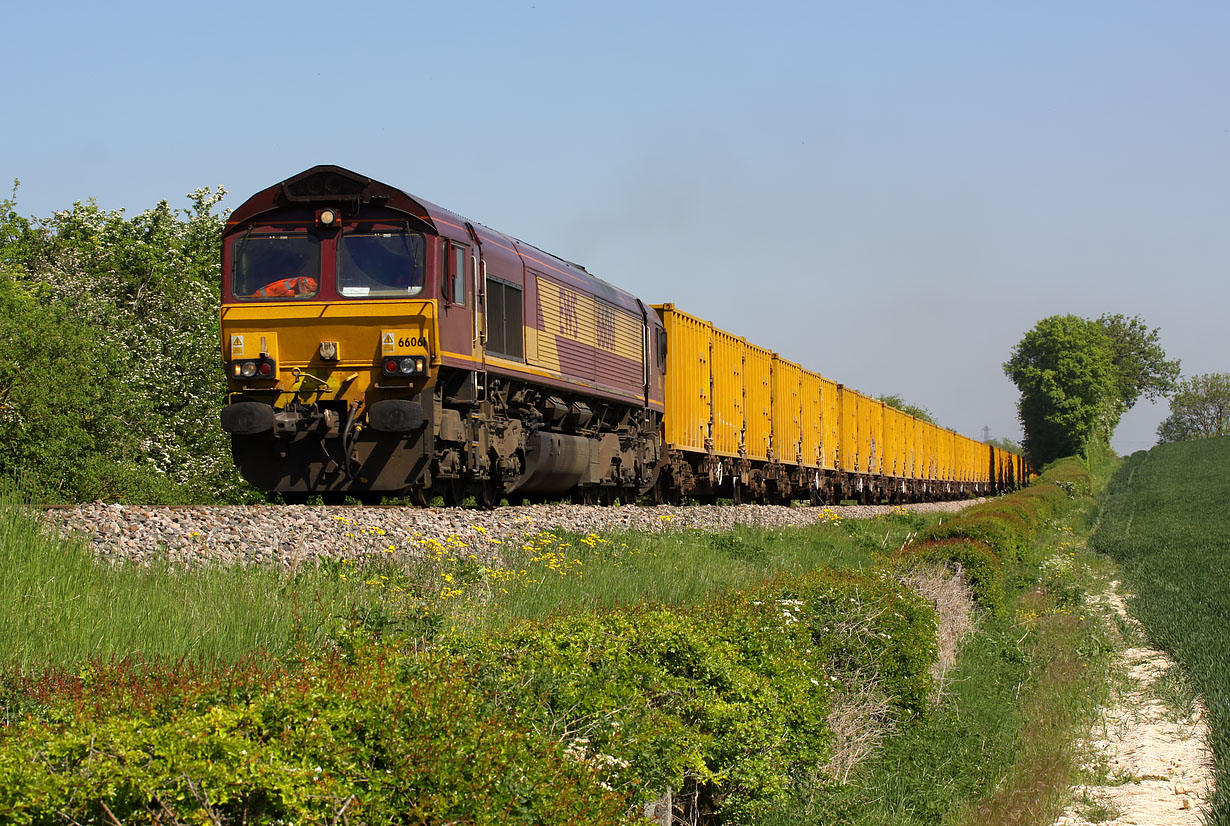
[237, 345]
[388, 339]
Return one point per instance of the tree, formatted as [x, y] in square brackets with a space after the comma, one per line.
[1006, 444]
[1064, 368]
[1199, 409]
[905, 407]
[1077, 377]
[1139, 359]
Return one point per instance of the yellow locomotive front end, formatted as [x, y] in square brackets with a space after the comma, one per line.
[330, 341]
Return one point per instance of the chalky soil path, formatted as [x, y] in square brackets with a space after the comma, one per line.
[1148, 759]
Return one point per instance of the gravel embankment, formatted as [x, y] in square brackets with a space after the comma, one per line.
[292, 535]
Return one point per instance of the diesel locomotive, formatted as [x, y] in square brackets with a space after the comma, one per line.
[376, 345]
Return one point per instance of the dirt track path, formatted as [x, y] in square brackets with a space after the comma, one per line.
[1148, 756]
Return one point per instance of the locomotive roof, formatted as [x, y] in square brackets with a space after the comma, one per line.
[336, 186]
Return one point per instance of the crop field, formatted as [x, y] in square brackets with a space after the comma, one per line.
[1167, 523]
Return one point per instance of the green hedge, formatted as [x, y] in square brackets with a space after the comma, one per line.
[728, 698]
[983, 570]
[380, 741]
[1008, 541]
[1010, 523]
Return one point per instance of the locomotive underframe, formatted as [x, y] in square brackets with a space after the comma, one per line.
[474, 435]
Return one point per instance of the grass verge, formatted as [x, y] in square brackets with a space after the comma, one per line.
[63, 613]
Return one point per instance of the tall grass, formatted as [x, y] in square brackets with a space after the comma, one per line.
[677, 568]
[1167, 522]
[60, 607]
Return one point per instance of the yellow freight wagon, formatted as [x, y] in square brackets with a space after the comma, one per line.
[946, 455]
[728, 422]
[849, 454]
[812, 395]
[909, 446]
[758, 402]
[687, 422]
[892, 441]
[831, 422]
[876, 447]
[788, 412]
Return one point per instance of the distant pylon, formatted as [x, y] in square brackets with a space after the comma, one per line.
[986, 433]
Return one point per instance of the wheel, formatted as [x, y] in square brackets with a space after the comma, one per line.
[659, 491]
[370, 497]
[489, 492]
[450, 490]
[736, 490]
[333, 497]
[294, 497]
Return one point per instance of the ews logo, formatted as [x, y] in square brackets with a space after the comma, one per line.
[606, 328]
[568, 325]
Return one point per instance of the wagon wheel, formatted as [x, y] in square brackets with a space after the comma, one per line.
[418, 496]
[450, 489]
[659, 491]
[370, 497]
[294, 497]
[736, 490]
[489, 492]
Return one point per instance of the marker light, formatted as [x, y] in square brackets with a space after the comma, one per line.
[326, 217]
[328, 351]
[262, 368]
[405, 366]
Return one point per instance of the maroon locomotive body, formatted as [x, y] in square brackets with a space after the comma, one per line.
[401, 349]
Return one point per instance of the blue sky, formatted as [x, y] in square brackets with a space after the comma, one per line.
[889, 193]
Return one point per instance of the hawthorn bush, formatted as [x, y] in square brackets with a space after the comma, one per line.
[113, 383]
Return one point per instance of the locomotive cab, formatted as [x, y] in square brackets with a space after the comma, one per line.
[330, 335]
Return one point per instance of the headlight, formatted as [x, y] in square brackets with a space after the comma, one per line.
[249, 369]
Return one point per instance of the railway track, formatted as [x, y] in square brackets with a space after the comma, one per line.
[294, 534]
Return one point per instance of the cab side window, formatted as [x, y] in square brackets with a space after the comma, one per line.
[461, 255]
[454, 280]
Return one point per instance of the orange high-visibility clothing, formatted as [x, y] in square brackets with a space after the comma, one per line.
[288, 288]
